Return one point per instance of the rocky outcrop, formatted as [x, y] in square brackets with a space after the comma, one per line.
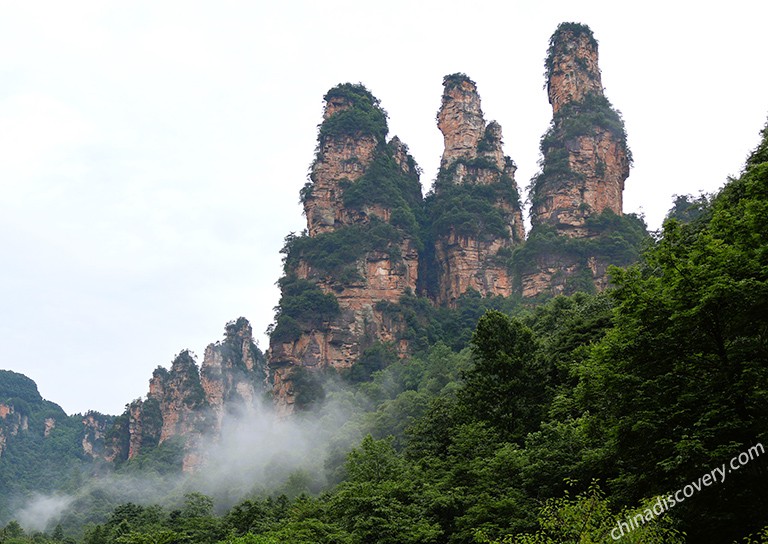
[343, 158]
[475, 213]
[49, 424]
[94, 441]
[557, 273]
[371, 240]
[337, 344]
[460, 119]
[598, 163]
[180, 401]
[585, 164]
[586, 159]
[360, 204]
[233, 373]
[11, 423]
[185, 402]
[572, 68]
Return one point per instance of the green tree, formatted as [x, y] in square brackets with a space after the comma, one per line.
[505, 388]
[681, 382]
[13, 530]
[197, 505]
[588, 519]
[380, 502]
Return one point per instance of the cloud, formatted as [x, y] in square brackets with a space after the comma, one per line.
[258, 450]
[39, 511]
[256, 453]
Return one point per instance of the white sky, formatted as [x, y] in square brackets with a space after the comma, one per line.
[151, 153]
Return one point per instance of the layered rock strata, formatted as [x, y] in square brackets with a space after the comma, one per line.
[476, 212]
[361, 203]
[585, 164]
[185, 403]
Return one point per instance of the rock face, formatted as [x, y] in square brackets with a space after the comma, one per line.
[94, 441]
[185, 403]
[460, 119]
[11, 423]
[233, 372]
[476, 212]
[556, 273]
[585, 164]
[572, 66]
[48, 425]
[341, 158]
[360, 202]
[586, 159]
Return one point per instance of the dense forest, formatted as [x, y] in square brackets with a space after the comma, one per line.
[571, 421]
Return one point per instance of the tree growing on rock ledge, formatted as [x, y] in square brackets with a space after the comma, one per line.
[363, 206]
[578, 225]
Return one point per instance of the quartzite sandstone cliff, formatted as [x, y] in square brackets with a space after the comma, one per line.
[586, 159]
[359, 203]
[475, 176]
[466, 237]
[585, 163]
[184, 403]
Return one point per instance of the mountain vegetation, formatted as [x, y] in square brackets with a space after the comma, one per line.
[631, 407]
[553, 425]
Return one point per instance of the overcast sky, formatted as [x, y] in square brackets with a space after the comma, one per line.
[151, 153]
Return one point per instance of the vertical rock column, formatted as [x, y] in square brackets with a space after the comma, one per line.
[341, 158]
[361, 204]
[586, 159]
[585, 163]
[184, 403]
[475, 212]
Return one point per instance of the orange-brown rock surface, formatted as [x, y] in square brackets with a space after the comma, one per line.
[553, 272]
[469, 257]
[586, 159]
[585, 164]
[344, 158]
[572, 66]
[460, 119]
[184, 402]
[351, 151]
[600, 166]
[233, 372]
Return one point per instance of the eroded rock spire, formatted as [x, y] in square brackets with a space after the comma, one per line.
[475, 213]
[585, 155]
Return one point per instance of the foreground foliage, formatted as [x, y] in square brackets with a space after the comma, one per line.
[552, 426]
